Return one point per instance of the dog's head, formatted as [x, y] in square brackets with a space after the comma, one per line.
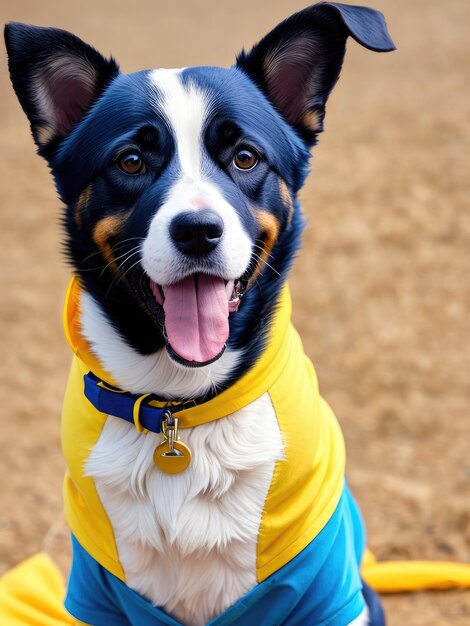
[180, 185]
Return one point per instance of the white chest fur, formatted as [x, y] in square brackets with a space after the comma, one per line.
[188, 541]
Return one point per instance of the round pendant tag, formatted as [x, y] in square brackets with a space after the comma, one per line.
[172, 462]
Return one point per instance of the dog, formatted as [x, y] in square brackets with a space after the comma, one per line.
[205, 478]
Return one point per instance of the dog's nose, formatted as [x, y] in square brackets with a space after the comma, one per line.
[196, 232]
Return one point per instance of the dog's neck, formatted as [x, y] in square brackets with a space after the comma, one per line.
[156, 372]
[152, 373]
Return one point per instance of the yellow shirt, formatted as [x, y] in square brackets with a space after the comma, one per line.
[306, 484]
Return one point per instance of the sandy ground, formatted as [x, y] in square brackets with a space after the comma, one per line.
[381, 289]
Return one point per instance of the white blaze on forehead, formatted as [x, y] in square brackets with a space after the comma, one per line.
[185, 108]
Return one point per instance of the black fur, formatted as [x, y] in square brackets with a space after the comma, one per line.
[249, 103]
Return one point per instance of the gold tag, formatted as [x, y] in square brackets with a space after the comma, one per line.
[172, 461]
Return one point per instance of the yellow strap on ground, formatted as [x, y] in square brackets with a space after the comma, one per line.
[32, 594]
[401, 576]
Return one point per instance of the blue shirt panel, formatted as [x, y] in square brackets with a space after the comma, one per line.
[321, 586]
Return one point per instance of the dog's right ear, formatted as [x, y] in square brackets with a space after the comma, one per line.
[57, 77]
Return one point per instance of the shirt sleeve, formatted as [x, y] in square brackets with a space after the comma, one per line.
[90, 597]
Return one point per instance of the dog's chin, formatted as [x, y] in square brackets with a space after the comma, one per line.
[182, 362]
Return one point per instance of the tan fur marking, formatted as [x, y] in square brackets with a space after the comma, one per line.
[82, 203]
[105, 229]
[269, 225]
[44, 134]
[311, 119]
[287, 199]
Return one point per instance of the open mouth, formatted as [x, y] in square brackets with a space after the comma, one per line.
[196, 315]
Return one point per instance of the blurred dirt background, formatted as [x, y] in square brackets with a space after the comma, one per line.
[381, 288]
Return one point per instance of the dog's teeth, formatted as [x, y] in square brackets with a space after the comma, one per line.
[229, 286]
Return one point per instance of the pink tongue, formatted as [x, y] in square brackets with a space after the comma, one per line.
[196, 318]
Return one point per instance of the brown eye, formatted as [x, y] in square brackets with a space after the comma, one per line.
[131, 162]
[245, 159]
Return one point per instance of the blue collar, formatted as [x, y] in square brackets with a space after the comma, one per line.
[131, 407]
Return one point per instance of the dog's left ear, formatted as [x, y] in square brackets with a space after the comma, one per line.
[298, 63]
[57, 77]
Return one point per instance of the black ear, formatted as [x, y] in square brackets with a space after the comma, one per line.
[298, 63]
[56, 77]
